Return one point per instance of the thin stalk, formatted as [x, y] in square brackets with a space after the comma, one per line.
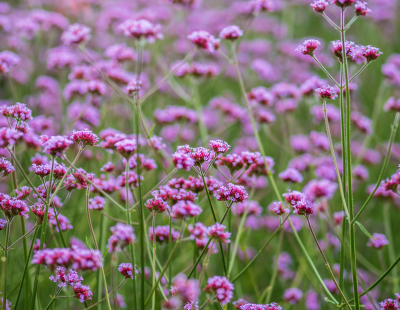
[260, 251]
[330, 21]
[253, 122]
[6, 263]
[353, 258]
[326, 71]
[359, 71]
[189, 56]
[197, 105]
[344, 158]
[131, 246]
[142, 219]
[385, 163]
[53, 299]
[327, 263]
[165, 266]
[95, 186]
[303, 249]
[20, 238]
[96, 245]
[275, 271]
[101, 244]
[388, 231]
[43, 235]
[26, 266]
[169, 251]
[328, 131]
[373, 285]
[208, 195]
[154, 261]
[108, 296]
[164, 179]
[350, 22]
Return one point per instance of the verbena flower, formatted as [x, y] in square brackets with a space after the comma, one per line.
[291, 175]
[231, 33]
[156, 205]
[184, 209]
[292, 295]
[6, 167]
[327, 92]
[141, 28]
[221, 287]
[378, 241]
[55, 145]
[126, 270]
[202, 39]
[76, 34]
[161, 234]
[319, 6]
[97, 203]
[217, 232]
[361, 9]
[308, 47]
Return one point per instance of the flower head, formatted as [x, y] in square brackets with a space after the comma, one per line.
[389, 304]
[221, 287]
[183, 161]
[231, 33]
[157, 205]
[97, 203]
[134, 87]
[126, 147]
[291, 175]
[5, 167]
[319, 6]
[370, 52]
[184, 209]
[126, 270]
[19, 111]
[327, 92]
[248, 306]
[141, 28]
[202, 39]
[308, 47]
[76, 34]
[378, 241]
[361, 9]
[292, 295]
[55, 145]
[84, 137]
[343, 3]
[161, 234]
[350, 48]
[219, 146]
[217, 233]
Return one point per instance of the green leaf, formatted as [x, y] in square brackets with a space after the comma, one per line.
[364, 230]
[88, 243]
[151, 130]
[105, 252]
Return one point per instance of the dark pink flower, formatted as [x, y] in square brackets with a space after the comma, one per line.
[378, 241]
[308, 47]
[202, 39]
[370, 52]
[327, 92]
[221, 287]
[319, 6]
[156, 205]
[141, 28]
[126, 270]
[361, 9]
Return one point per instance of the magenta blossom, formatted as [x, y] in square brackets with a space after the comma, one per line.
[308, 47]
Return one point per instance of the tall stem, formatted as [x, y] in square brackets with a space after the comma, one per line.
[131, 246]
[6, 263]
[101, 247]
[388, 231]
[96, 245]
[154, 262]
[42, 235]
[327, 264]
[349, 170]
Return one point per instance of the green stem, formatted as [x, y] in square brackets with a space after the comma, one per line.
[328, 131]
[260, 251]
[353, 258]
[359, 71]
[385, 163]
[53, 299]
[169, 251]
[42, 235]
[388, 231]
[96, 245]
[327, 264]
[275, 271]
[6, 263]
[154, 261]
[303, 249]
[102, 227]
[26, 266]
[131, 246]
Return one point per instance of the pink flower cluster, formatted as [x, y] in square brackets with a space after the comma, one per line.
[234, 193]
[75, 258]
[221, 287]
[122, 236]
[162, 234]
